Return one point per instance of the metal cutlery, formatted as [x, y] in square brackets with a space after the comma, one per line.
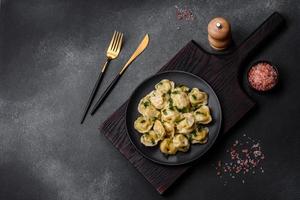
[142, 46]
[112, 53]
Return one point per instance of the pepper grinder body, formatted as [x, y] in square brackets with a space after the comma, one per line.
[219, 33]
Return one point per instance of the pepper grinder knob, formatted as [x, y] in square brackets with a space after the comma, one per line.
[219, 33]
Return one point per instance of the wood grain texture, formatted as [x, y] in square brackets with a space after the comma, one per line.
[221, 72]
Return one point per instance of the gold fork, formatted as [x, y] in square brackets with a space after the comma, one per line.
[112, 53]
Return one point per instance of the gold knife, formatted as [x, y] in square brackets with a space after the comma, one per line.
[142, 46]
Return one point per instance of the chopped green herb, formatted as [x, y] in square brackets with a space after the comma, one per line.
[146, 103]
[165, 112]
[172, 108]
[171, 102]
[194, 133]
[194, 97]
[184, 110]
[179, 120]
[200, 127]
[175, 92]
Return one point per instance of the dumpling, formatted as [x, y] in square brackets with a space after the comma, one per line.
[151, 112]
[147, 110]
[143, 104]
[200, 135]
[197, 97]
[169, 114]
[184, 88]
[158, 99]
[202, 115]
[181, 143]
[186, 125]
[170, 129]
[165, 86]
[159, 129]
[169, 103]
[150, 139]
[143, 124]
[180, 99]
[167, 146]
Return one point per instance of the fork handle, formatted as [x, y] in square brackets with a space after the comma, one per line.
[94, 91]
[105, 94]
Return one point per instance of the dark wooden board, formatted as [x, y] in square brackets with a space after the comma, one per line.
[221, 72]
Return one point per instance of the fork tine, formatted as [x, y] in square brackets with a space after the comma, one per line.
[112, 40]
[116, 42]
[120, 43]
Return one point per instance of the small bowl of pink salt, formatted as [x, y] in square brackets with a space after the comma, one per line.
[263, 76]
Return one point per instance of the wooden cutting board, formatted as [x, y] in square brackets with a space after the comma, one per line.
[221, 72]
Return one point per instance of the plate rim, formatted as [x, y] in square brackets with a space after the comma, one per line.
[196, 157]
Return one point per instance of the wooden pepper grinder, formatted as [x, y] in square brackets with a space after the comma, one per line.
[219, 33]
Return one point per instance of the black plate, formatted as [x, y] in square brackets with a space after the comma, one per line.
[196, 150]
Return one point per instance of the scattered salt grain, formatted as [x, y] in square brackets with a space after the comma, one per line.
[243, 156]
[184, 14]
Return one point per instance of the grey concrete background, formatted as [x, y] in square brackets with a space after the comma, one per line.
[50, 55]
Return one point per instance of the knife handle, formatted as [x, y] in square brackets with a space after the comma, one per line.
[105, 94]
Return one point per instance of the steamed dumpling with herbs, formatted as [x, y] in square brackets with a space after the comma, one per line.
[143, 124]
[180, 99]
[158, 99]
[202, 115]
[165, 86]
[200, 135]
[184, 88]
[159, 129]
[143, 104]
[167, 146]
[186, 125]
[169, 115]
[150, 139]
[197, 97]
[148, 110]
[181, 143]
[170, 129]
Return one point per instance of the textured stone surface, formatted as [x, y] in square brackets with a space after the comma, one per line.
[50, 52]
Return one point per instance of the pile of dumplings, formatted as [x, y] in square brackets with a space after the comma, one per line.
[173, 116]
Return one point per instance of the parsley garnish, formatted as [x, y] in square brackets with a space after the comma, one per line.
[146, 103]
[171, 102]
[179, 120]
[184, 110]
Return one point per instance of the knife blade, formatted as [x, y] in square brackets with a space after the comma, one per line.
[142, 46]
